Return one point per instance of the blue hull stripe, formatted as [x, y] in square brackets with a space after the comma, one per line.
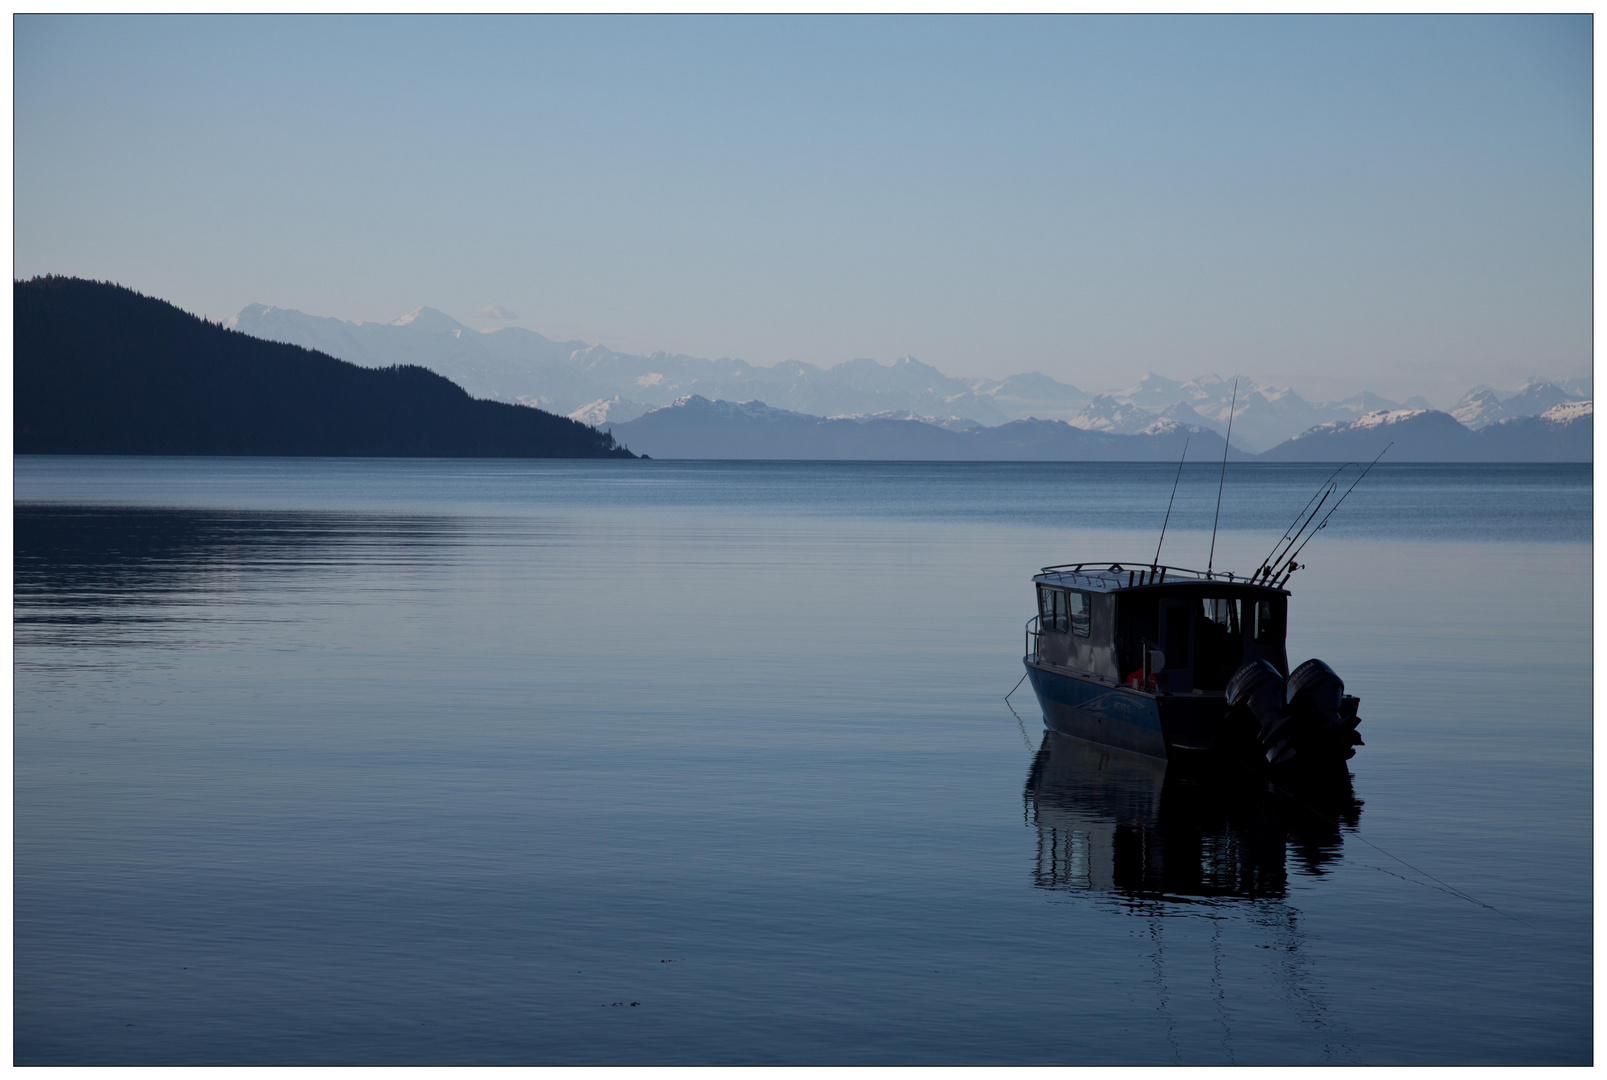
[1098, 713]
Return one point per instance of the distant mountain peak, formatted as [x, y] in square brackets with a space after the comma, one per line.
[1155, 381]
[248, 313]
[755, 410]
[429, 319]
[252, 316]
[1105, 413]
[1479, 407]
[1536, 382]
[614, 410]
[1167, 426]
[1368, 402]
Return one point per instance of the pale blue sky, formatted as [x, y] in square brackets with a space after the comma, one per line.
[1400, 204]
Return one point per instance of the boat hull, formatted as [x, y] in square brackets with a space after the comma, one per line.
[1158, 725]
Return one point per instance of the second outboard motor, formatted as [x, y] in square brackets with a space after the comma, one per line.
[1325, 713]
[1309, 721]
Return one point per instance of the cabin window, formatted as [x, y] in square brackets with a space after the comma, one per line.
[1223, 612]
[1077, 605]
[1263, 623]
[1052, 610]
[1218, 641]
[1061, 611]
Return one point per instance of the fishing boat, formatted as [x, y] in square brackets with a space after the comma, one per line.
[1166, 661]
[1162, 660]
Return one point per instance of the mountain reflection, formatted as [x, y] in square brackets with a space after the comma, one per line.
[1117, 823]
[87, 575]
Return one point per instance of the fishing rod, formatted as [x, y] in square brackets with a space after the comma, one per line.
[1325, 492]
[1209, 559]
[1291, 534]
[1323, 524]
[1175, 479]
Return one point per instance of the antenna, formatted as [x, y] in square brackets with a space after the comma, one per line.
[1323, 524]
[1175, 479]
[1211, 558]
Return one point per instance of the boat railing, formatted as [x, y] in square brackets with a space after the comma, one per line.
[1032, 636]
[1129, 574]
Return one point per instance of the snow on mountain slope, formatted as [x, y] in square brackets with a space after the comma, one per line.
[1180, 412]
[1479, 407]
[1568, 412]
[1384, 418]
[1484, 405]
[614, 410]
[1105, 413]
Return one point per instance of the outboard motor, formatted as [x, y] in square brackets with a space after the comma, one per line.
[1309, 721]
[1256, 689]
[1325, 713]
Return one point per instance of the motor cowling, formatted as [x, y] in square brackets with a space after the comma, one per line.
[1256, 686]
[1255, 699]
[1307, 721]
[1315, 686]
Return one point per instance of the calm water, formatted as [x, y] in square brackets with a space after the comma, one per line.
[670, 763]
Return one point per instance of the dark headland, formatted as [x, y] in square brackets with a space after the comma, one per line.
[101, 369]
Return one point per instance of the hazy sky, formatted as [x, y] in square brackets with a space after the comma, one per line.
[1397, 204]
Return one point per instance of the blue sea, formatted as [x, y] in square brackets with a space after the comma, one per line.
[534, 762]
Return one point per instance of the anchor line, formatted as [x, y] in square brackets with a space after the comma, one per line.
[1020, 723]
[1452, 889]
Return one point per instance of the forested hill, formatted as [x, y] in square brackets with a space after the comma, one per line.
[101, 369]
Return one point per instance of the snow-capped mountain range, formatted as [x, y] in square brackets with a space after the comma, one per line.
[695, 427]
[605, 388]
[1561, 433]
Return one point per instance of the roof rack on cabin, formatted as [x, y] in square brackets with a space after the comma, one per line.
[1109, 574]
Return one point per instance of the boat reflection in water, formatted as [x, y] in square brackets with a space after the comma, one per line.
[1119, 823]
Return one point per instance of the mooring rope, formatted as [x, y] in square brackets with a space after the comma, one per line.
[1451, 889]
[1019, 722]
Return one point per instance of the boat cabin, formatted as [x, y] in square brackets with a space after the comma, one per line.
[1102, 619]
